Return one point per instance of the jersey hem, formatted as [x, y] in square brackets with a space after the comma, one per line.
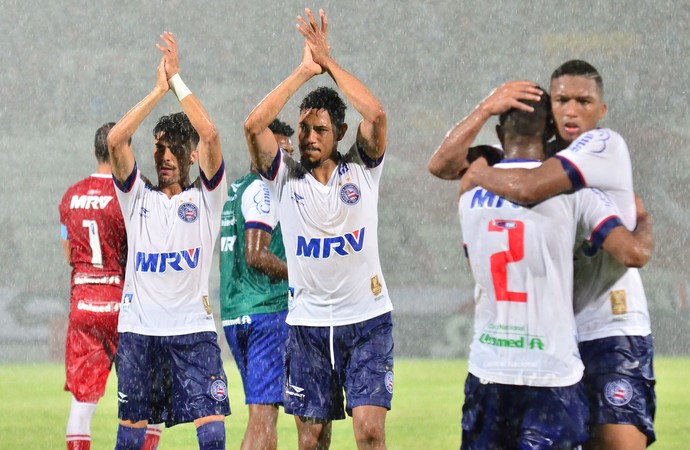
[638, 331]
[335, 323]
[166, 332]
[532, 382]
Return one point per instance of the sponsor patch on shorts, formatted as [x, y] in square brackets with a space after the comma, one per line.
[618, 392]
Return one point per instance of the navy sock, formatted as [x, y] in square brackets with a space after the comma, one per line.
[211, 436]
[129, 438]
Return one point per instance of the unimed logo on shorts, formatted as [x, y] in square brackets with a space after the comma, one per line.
[160, 262]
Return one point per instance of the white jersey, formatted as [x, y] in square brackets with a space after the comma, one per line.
[522, 262]
[609, 297]
[170, 247]
[331, 240]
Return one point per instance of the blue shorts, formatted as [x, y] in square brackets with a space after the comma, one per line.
[501, 416]
[363, 367]
[619, 381]
[171, 379]
[258, 346]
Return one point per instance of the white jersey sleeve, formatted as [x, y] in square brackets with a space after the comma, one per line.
[258, 207]
[600, 159]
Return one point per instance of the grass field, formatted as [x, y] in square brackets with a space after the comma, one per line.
[425, 414]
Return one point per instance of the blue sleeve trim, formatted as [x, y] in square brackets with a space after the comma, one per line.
[215, 181]
[369, 162]
[273, 170]
[63, 232]
[129, 182]
[602, 231]
[576, 178]
[464, 247]
[259, 226]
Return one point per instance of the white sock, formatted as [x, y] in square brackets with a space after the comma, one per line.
[79, 422]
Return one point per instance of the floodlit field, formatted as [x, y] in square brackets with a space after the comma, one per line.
[425, 415]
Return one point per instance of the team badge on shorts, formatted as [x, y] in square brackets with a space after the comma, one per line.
[219, 390]
[188, 212]
[618, 392]
[388, 381]
[349, 194]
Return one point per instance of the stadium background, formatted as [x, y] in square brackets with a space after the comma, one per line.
[69, 66]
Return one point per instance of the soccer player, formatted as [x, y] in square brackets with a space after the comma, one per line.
[340, 334]
[610, 304]
[95, 245]
[522, 390]
[168, 361]
[253, 296]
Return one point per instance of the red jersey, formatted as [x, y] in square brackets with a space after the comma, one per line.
[91, 220]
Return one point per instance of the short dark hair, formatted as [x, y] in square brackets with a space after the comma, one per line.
[328, 99]
[179, 131]
[524, 123]
[492, 154]
[100, 143]
[579, 68]
[278, 127]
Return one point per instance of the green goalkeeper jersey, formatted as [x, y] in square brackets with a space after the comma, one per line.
[243, 289]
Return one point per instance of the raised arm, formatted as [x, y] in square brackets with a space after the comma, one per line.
[371, 134]
[210, 154]
[260, 140]
[523, 186]
[449, 162]
[119, 137]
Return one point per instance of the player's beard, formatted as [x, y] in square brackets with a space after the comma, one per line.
[178, 175]
[312, 163]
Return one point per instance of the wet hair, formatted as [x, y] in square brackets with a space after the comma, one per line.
[579, 68]
[100, 143]
[524, 123]
[492, 154]
[328, 99]
[178, 130]
[278, 127]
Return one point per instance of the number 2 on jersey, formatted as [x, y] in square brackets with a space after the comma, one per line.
[500, 260]
[94, 242]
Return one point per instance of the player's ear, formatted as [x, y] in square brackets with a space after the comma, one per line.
[341, 132]
[500, 134]
[602, 110]
[193, 156]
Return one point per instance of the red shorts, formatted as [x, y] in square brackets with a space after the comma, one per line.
[91, 340]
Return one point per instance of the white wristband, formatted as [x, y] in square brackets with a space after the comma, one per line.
[178, 87]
